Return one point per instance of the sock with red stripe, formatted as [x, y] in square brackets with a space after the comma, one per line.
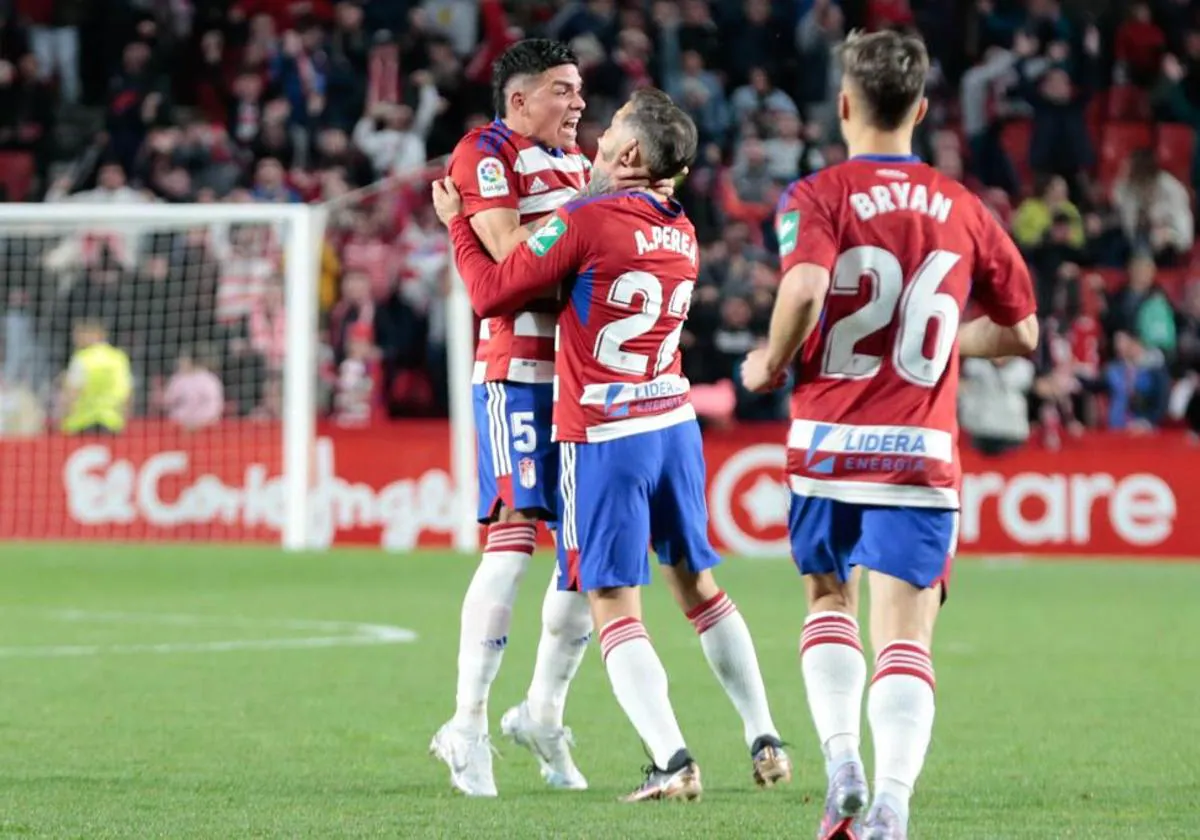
[900, 707]
[729, 649]
[486, 615]
[835, 675]
[640, 684]
[566, 631]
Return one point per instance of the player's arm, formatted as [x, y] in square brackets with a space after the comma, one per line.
[500, 230]
[488, 187]
[807, 250]
[1003, 287]
[797, 312]
[553, 252]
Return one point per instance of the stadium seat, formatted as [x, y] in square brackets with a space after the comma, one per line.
[1096, 114]
[1172, 281]
[1174, 148]
[1114, 278]
[1128, 103]
[1117, 143]
[16, 175]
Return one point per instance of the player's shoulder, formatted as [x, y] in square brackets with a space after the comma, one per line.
[493, 140]
[627, 203]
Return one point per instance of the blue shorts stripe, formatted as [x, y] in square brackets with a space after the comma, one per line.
[517, 461]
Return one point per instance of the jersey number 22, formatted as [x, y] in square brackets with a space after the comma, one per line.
[920, 303]
[641, 291]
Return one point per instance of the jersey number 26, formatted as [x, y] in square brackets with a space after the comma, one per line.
[919, 301]
[641, 291]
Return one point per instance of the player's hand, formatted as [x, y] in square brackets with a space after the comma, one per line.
[757, 377]
[446, 200]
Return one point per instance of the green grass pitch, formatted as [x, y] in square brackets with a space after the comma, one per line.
[192, 692]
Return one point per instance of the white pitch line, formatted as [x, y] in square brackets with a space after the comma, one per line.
[352, 634]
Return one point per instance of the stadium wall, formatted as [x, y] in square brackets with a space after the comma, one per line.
[1107, 496]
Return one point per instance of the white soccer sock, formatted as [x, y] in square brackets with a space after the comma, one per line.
[566, 631]
[900, 707]
[486, 615]
[835, 674]
[729, 649]
[640, 684]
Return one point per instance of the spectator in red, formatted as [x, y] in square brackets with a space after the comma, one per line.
[287, 13]
[1139, 46]
[368, 251]
[358, 389]
[194, 396]
[354, 307]
[889, 14]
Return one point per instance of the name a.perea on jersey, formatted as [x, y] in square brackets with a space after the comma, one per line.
[900, 195]
[671, 239]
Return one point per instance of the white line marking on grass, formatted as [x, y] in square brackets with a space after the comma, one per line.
[333, 634]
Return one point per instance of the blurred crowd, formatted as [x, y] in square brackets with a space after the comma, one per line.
[1074, 122]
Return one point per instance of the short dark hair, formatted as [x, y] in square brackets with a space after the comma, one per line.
[889, 69]
[530, 57]
[667, 137]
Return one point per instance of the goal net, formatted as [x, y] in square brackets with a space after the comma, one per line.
[158, 372]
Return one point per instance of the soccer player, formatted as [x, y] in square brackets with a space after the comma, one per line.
[632, 465]
[879, 256]
[511, 173]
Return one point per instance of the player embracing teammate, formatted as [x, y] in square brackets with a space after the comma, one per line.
[632, 464]
[510, 175]
[879, 257]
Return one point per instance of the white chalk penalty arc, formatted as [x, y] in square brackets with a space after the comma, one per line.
[327, 634]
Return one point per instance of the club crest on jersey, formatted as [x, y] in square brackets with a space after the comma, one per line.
[786, 230]
[544, 237]
[490, 174]
[527, 473]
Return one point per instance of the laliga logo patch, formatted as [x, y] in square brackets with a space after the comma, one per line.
[490, 174]
[527, 473]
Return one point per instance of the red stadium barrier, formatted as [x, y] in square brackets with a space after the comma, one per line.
[390, 485]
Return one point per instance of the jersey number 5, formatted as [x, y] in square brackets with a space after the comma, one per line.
[644, 292]
[920, 303]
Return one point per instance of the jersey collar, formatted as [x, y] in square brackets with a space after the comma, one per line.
[499, 123]
[888, 158]
[671, 209]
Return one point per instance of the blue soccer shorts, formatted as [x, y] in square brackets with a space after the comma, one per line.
[913, 544]
[516, 460]
[619, 497]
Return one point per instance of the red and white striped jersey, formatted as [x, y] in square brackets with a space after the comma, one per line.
[633, 263]
[493, 167]
[874, 410]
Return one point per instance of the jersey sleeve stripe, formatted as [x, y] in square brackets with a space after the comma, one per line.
[536, 205]
[536, 159]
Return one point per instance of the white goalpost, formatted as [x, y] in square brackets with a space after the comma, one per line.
[71, 264]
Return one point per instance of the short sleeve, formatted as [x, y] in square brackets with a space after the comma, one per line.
[804, 228]
[484, 176]
[1001, 284]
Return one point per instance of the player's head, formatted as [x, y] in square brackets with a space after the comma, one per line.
[883, 82]
[537, 91]
[666, 136]
[87, 332]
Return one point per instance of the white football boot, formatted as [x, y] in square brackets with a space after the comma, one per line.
[469, 757]
[550, 746]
